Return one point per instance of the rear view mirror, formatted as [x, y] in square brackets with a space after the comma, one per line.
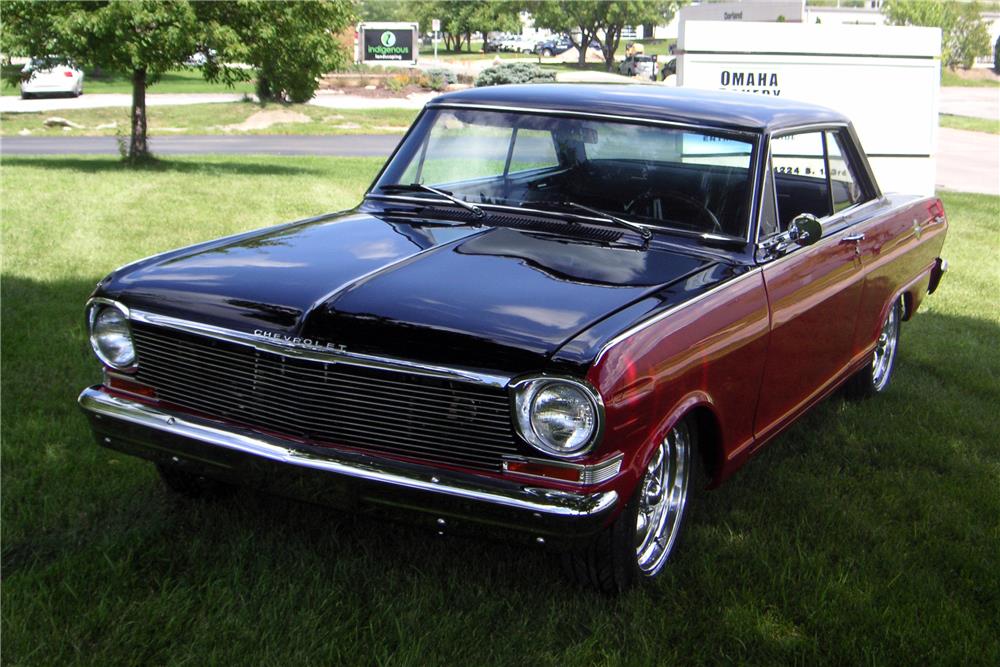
[805, 229]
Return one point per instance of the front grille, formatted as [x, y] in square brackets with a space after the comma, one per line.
[435, 420]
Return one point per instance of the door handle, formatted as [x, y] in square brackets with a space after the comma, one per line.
[853, 238]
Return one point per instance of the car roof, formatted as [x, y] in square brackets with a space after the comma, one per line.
[712, 108]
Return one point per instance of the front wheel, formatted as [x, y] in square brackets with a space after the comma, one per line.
[874, 378]
[547, 53]
[640, 541]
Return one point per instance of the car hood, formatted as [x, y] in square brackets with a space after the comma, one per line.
[487, 297]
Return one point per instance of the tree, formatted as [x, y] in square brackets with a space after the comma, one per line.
[588, 20]
[147, 38]
[631, 13]
[461, 18]
[581, 20]
[290, 44]
[964, 36]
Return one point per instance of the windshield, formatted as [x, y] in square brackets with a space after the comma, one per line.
[681, 179]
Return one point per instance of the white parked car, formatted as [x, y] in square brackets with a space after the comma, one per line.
[46, 76]
[519, 44]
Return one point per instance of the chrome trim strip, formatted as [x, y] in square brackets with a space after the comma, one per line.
[321, 354]
[590, 114]
[531, 499]
[645, 324]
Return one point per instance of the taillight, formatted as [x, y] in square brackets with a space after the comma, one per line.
[937, 209]
[67, 73]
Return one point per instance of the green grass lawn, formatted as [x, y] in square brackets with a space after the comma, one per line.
[187, 80]
[867, 534]
[950, 78]
[969, 123]
[213, 119]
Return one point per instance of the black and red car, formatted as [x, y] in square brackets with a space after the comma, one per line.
[560, 312]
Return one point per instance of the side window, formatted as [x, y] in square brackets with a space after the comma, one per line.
[533, 149]
[798, 164]
[844, 185]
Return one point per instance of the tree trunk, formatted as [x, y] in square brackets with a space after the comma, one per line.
[612, 37]
[138, 149]
[581, 61]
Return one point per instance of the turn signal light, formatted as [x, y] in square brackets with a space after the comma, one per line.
[129, 386]
[574, 473]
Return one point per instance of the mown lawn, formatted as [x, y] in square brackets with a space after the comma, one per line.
[187, 80]
[952, 78]
[213, 119]
[991, 126]
[868, 534]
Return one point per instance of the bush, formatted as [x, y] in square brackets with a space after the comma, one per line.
[397, 82]
[996, 56]
[441, 73]
[506, 73]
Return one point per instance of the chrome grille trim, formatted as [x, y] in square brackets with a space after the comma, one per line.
[324, 355]
[426, 416]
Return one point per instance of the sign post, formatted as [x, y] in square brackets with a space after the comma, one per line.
[395, 43]
[436, 26]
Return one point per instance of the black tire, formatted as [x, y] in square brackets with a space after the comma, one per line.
[193, 486]
[547, 53]
[876, 376]
[611, 562]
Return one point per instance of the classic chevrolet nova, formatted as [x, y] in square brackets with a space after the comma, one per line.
[560, 313]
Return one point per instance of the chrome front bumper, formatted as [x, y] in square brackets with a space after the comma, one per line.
[445, 501]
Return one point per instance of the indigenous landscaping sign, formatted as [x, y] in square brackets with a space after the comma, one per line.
[387, 42]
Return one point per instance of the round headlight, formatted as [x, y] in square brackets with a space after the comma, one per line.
[111, 336]
[559, 417]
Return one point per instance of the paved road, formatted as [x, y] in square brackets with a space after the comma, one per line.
[967, 101]
[379, 145]
[966, 161]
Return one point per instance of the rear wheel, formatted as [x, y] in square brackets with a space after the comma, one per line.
[640, 541]
[547, 53]
[874, 378]
[191, 485]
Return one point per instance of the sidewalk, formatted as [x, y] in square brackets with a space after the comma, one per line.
[975, 102]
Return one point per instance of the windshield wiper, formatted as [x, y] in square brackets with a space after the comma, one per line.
[638, 229]
[476, 211]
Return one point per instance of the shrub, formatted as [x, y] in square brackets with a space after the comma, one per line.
[499, 75]
[996, 56]
[397, 82]
[441, 73]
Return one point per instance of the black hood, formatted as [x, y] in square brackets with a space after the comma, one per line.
[488, 297]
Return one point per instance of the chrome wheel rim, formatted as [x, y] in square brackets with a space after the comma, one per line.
[662, 497]
[885, 349]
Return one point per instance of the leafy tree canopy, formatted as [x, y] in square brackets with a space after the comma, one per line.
[601, 20]
[288, 43]
[964, 35]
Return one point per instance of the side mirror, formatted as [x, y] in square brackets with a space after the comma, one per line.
[805, 229]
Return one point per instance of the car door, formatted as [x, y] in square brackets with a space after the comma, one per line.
[813, 291]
